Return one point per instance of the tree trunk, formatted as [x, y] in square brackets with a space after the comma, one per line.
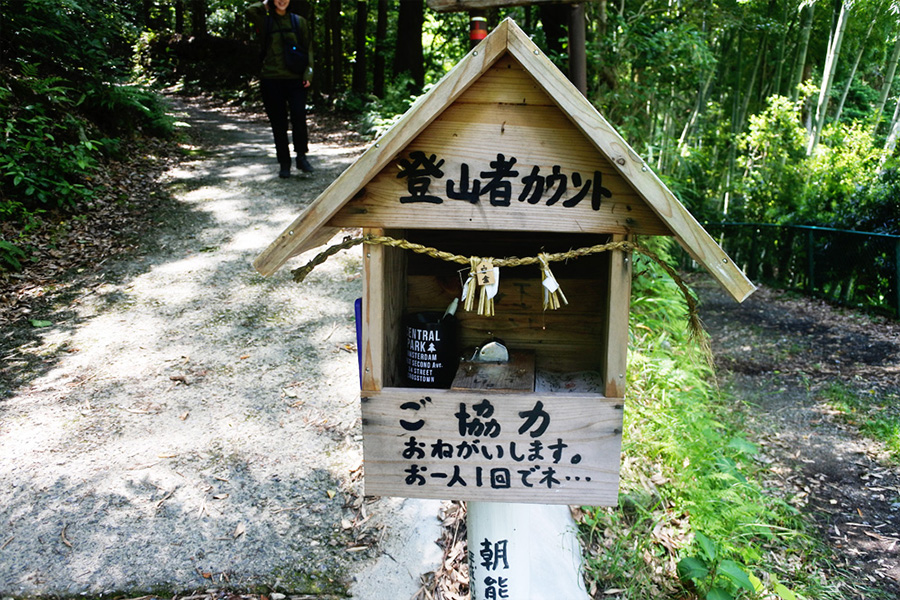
[782, 48]
[553, 18]
[146, 10]
[380, 49]
[891, 143]
[802, 46]
[409, 56]
[179, 17]
[742, 115]
[577, 48]
[198, 18]
[834, 51]
[859, 53]
[337, 46]
[607, 69]
[702, 95]
[888, 80]
[360, 70]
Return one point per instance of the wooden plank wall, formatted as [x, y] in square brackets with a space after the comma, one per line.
[566, 340]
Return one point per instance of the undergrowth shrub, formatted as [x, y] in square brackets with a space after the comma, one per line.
[692, 519]
[46, 154]
[64, 107]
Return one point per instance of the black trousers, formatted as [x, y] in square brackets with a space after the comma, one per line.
[284, 99]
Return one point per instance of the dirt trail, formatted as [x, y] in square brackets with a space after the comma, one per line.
[185, 423]
[782, 355]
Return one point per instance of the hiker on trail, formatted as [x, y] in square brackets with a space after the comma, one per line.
[285, 75]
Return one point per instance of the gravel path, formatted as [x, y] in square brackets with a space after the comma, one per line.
[194, 425]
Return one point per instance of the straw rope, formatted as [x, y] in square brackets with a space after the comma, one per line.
[695, 327]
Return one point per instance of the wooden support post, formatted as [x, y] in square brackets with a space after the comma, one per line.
[618, 302]
[384, 277]
[897, 276]
[810, 263]
[577, 48]
[528, 551]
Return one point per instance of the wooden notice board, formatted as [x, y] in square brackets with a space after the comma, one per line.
[490, 446]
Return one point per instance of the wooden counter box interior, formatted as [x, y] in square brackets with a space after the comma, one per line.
[571, 340]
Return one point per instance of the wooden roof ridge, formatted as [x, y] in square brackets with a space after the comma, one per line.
[310, 229]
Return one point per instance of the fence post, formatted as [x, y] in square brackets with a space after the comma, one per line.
[810, 263]
[897, 276]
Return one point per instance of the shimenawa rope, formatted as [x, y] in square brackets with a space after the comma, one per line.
[543, 259]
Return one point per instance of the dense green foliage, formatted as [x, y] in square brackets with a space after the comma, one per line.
[64, 106]
[722, 99]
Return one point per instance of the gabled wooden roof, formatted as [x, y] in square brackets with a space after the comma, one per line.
[566, 124]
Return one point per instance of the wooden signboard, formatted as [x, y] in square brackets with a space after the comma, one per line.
[527, 448]
[503, 157]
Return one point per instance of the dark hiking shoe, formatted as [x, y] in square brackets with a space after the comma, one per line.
[284, 173]
[303, 164]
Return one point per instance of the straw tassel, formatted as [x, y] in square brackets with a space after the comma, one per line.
[553, 294]
[485, 302]
[471, 285]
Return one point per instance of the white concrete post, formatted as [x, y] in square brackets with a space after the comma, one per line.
[523, 552]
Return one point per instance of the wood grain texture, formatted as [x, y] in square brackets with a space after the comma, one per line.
[517, 375]
[384, 288]
[474, 134]
[586, 471]
[615, 360]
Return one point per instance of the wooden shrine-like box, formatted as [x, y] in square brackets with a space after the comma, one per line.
[503, 158]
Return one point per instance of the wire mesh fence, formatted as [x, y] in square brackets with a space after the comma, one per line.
[853, 268]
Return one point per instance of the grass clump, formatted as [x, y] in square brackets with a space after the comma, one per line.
[876, 415]
[692, 521]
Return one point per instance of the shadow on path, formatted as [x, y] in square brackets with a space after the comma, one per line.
[187, 423]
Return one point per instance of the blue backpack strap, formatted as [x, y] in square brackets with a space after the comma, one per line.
[295, 25]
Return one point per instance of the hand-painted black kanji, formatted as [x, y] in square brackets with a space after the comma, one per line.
[500, 479]
[493, 554]
[470, 194]
[475, 426]
[456, 478]
[419, 170]
[495, 589]
[531, 418]
[497, 186]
